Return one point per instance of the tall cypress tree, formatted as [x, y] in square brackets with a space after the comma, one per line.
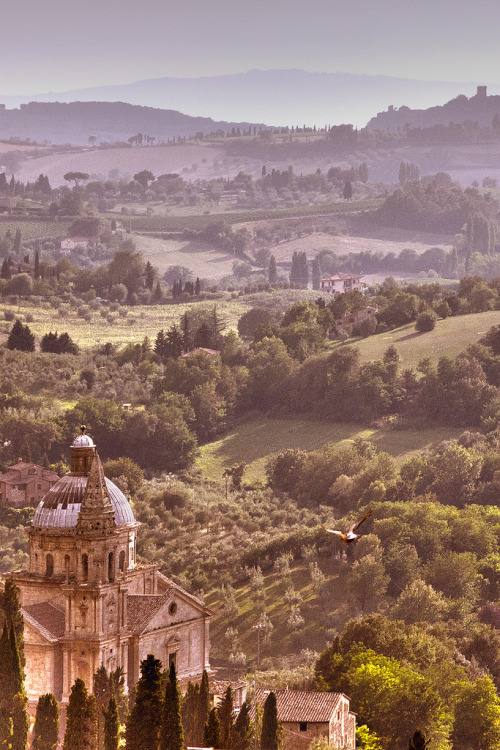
[76, 717]
[102, 692]
[143, 725]
[111, 726]
[272, 272]
[211, 735]
[89, 727]
[10, 605]
[202, 709]
[243, 729]
[226, 718]
[20, 720]
[172, 734]
[188, 712]
[46, 730]
[269, 735]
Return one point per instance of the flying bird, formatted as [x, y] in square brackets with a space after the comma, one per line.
[349, 536]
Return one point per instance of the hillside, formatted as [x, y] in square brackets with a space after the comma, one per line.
[74, 122]
[450, 337]
[479, 108]
[254, 441]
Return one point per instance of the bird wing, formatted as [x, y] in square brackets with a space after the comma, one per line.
[360, 521]
[333, 531]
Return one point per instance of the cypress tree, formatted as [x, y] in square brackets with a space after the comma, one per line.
[226, 718]
[6, 676]
[211, 734]
[111, 726]
[20, 720]
[189, 711]
[21, 338]
[76, 717]
[143, 725]
[242, 729]
[197, 287]
[202, 709]
[89, 727]
[272, 273]
[102, 693]
[315, 273]
[17, 242]
[46, 730]
[172, 734]
[10, 606]
[269, 735]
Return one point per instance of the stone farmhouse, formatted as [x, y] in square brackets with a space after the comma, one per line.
[86, 601]
[70, 243]
[24, 484]
[308, 716]
[339, 283]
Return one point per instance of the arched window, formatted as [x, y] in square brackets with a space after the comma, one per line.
[111, 567]
[121, 561]
[49, 565]
[85, 566]
[67, 562]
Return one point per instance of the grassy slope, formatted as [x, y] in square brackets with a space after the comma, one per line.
[450, 337]
[255, 440]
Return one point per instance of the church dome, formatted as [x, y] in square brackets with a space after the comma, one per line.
[83, 441]
[60, 506]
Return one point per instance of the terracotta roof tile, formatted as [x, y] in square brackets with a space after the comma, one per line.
[47, 618]
[302, 705]
[140, 609]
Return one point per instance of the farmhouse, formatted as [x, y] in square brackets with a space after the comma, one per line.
[350, 321]
[308, 716]
[339, 283]
[86, 602]
[70, 243]
[24, 484]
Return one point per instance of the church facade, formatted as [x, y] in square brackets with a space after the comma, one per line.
[86, 601]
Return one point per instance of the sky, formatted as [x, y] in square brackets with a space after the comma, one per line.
[57, 45]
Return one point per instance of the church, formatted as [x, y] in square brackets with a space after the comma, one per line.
[86, 601]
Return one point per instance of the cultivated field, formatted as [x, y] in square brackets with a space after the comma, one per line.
[203, 260]
[254, 441]
[128, 325]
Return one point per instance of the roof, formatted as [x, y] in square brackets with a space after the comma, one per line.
[141, 609]
[341, 277]
[60, 506]
[46, 618]
[210, 352]
[302, 705]
[21, 465]
[219, 687]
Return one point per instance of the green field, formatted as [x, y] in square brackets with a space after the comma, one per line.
[450, 337]
[254, 441]
[33, 229]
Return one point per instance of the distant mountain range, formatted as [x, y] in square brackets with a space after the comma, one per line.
[76, 122]
[280, 97]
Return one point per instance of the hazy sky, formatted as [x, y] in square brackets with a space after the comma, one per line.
[56, 45]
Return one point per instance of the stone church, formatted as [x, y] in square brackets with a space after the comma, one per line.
[87, 602]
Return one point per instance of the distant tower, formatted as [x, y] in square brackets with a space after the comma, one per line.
[481, 92]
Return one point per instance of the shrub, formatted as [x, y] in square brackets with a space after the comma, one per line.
[426, 321]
